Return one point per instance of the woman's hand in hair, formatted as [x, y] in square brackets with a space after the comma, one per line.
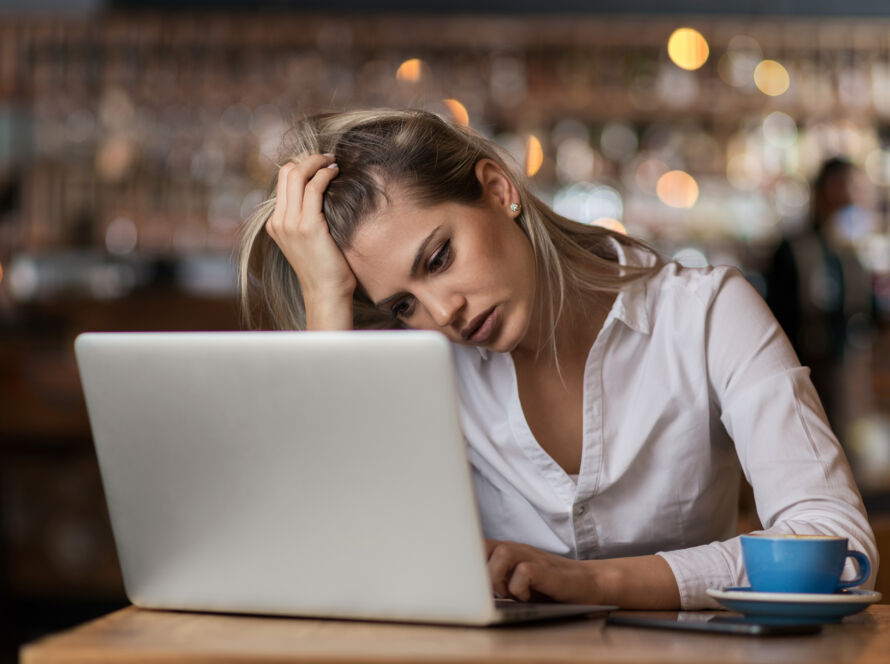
[298, 227]
[526, 573]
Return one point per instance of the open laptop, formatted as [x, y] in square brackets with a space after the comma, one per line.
[295, 473]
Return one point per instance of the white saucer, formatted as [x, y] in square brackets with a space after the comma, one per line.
[841, 597]
[795, 607]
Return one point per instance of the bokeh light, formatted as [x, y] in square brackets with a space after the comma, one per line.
[792, 196]
[116, 109]
[618, 141]
[410, 71]
[677, 88]
[570, 128]
[575, 160]
[853, 223]
[534, 155]
[585, 203]
[115, 158]
[736, 66]
[648, 173]
[1, 273]
[24, 280]
[780, 129]
[771, 78]
[854, 88]
[687, 48]
[875, 253]
[611, 224]
[458, 111]
[121, 236]
[677, 189]
[869, 437]
[744, 171]
[877, 167]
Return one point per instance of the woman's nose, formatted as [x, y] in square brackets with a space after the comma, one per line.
[444, 307]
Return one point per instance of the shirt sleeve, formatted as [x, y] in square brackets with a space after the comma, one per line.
[801, 479]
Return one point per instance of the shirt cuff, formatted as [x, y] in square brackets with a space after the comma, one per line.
[696, 569]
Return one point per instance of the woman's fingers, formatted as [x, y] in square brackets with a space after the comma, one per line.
[500, 567]
[276, 220]
[293, 177]
[315, 188]
[526, 573]
[510, 575]
[522, 581]
[297, 178]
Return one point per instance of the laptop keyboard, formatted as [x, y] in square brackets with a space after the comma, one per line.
[512, 611]
[521, 609]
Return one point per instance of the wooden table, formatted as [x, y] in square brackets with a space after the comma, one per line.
[136, 635]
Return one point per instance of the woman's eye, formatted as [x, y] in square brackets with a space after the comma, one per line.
[440, 258]
[402, 309]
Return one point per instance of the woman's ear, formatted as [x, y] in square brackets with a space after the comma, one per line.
[497, 187]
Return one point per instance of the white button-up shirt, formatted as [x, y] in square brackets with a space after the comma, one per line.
[690, 380]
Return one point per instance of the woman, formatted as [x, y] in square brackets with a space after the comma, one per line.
[599, 387]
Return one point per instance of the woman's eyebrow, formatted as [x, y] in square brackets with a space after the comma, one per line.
[417, 258]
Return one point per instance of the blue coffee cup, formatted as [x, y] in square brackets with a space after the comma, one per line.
[800, 563]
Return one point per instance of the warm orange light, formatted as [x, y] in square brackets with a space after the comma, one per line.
[115, 157]
[410, 70]
[534, 155]
[458, 111]
[687, 48]
[677, 189]
[1, 273]
[771, 78]
[611, 224]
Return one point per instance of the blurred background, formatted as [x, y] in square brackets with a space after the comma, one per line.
[134, 137]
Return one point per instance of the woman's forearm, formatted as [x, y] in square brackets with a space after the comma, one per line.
[641, 582]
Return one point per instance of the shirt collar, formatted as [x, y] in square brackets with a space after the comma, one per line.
[631, 306]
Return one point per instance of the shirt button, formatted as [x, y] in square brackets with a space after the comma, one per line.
[579, 510]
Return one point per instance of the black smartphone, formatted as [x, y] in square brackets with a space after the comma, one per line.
[710, 622]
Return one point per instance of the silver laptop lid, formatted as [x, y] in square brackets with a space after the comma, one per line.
[300, 473]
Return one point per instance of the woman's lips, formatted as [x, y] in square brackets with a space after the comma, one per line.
[482, 327]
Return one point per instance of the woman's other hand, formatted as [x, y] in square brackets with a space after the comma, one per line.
[298, 227]
[524, 572]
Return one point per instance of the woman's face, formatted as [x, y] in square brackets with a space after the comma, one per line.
[465, 271]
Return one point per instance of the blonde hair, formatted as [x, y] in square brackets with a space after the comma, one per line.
[433, 161]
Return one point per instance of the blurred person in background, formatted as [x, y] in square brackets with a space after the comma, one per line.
[817, 287]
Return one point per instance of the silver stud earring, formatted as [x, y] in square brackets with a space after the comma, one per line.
[514, 207]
